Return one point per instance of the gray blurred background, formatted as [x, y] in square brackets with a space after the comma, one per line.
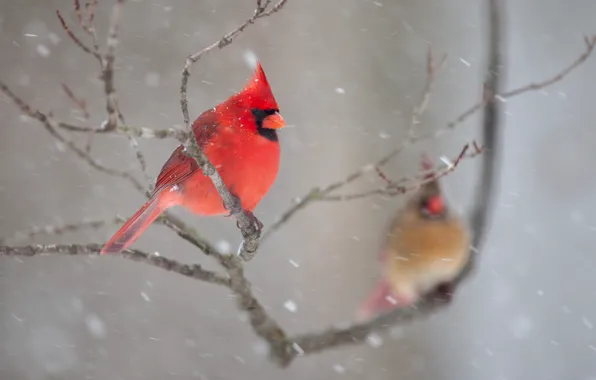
[346, 74]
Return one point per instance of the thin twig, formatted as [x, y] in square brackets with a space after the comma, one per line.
[108, 67]
[75, 39]
[80, 103]
[191, 271]
[60, 229]
[590, 43]
[138, 132]
[90, 6]
[191, 235]
[317, 194]
[134, 144]
[262, 323]
[407, 184]
[52, 126]
[88, 25]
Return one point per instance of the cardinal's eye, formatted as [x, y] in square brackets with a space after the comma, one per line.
[260, 115]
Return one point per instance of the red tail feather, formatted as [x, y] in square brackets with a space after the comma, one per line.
[138, 223]
[377, 301]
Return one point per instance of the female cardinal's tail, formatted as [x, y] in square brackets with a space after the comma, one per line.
[138, 223]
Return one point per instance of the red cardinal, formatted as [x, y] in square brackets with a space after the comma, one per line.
[426, 248]
[239, 136]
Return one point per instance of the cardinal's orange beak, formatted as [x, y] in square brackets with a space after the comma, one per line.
[274, 121]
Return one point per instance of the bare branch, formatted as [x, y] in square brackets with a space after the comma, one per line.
[90, 6]
[227, 39]
[319, 194]
[312, 343]
[283, 349]
[52, 126]
[75, 39]
[80, 103]
[134, 144]
[139, 132]
[192, 271]
[589, 41]
[60, 229]
[191, 235]
[491, 123]
[316, 194]
[88, 25]
[409, 184]
[299, 204]
[248, 224]
[108, 66]
[263, 325]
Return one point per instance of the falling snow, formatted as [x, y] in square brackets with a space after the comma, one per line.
[43, 340]
[298, 349]
[250, 58]
[224, 247]
[374, 340]
[339, 368]
[291, 306]
[447, 161]
[43, 50]
[95, 326]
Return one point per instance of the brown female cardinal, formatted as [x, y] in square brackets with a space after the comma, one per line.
[426, 247]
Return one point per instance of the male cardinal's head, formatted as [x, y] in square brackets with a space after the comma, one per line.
[258, 99]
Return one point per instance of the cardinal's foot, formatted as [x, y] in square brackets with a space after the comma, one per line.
[254, 220]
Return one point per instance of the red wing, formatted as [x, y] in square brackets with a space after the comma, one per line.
[180, 166]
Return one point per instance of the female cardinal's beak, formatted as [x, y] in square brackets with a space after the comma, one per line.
[274, 121]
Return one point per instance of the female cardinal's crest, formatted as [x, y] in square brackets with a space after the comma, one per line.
[432, 202]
